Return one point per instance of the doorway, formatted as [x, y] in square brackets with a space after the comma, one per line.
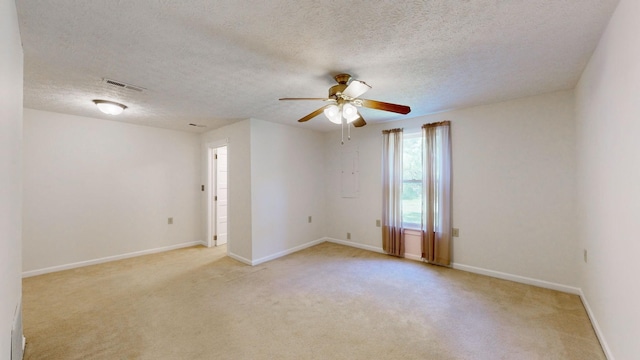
[218, 196]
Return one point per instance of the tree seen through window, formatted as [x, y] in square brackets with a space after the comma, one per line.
[412, 180]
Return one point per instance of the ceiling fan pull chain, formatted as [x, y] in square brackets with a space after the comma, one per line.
[348, 131]
[342, 125]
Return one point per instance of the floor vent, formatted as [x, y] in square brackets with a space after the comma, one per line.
[123, 85]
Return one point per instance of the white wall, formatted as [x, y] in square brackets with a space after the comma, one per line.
[238, 136]
[96, 188]
[355, 215]
[275, 183]
[10, 168]
[513, 186]
[608, 124]
[287, 175]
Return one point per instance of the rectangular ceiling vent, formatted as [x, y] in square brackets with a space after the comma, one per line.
[123, 85]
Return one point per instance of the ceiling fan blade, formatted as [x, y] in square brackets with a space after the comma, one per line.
[359, 122]
[379, 105]
[325, 99]
[314, 114]
[356, 88]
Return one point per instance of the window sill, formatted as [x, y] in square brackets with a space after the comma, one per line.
[412, 231]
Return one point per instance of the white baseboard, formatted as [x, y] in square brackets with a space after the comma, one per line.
[518, 278]
[355, 245]
[596, 327]
[287, 252]
[473, 269]
[51, 269]
[239, 258]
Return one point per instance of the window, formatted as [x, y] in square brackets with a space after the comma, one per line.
[412, 180]
[417, 193]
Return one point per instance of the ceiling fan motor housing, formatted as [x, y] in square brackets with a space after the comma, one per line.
[342, 80]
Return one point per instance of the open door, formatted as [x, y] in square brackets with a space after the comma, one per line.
[220, 197]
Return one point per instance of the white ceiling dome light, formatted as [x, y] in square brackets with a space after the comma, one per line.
[109, 107]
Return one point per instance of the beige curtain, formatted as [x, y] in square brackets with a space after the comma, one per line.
[436, 181]
[392, 234]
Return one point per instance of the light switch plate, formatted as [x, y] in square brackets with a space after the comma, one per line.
[455, 232]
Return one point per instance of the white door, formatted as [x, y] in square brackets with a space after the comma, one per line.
[221, 196]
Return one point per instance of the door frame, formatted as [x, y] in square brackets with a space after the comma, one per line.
[210, 191]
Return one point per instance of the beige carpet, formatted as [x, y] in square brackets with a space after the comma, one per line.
[326, 302]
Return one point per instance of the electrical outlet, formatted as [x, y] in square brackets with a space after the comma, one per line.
[584, 254]
[309, 218]
[378, 223]
[455, 232]
[170, 221]
[348, 236]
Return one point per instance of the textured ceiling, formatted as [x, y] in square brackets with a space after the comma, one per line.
[216, 62]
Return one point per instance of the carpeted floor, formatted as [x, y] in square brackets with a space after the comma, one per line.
[325, 302]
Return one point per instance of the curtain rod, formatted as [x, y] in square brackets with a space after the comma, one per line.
[441, 123]
[391, 130]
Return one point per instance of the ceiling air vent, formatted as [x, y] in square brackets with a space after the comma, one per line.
[123, 85]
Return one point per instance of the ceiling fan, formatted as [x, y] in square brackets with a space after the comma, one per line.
[344, 100]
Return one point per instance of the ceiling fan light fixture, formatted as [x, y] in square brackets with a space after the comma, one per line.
[350, 113]
[110, 107]
[333, 113]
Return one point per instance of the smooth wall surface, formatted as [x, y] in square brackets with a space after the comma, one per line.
[96, 188]
[287, 174]
[10, 171]
[608, 124]
[238, 138]
[513, 186]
